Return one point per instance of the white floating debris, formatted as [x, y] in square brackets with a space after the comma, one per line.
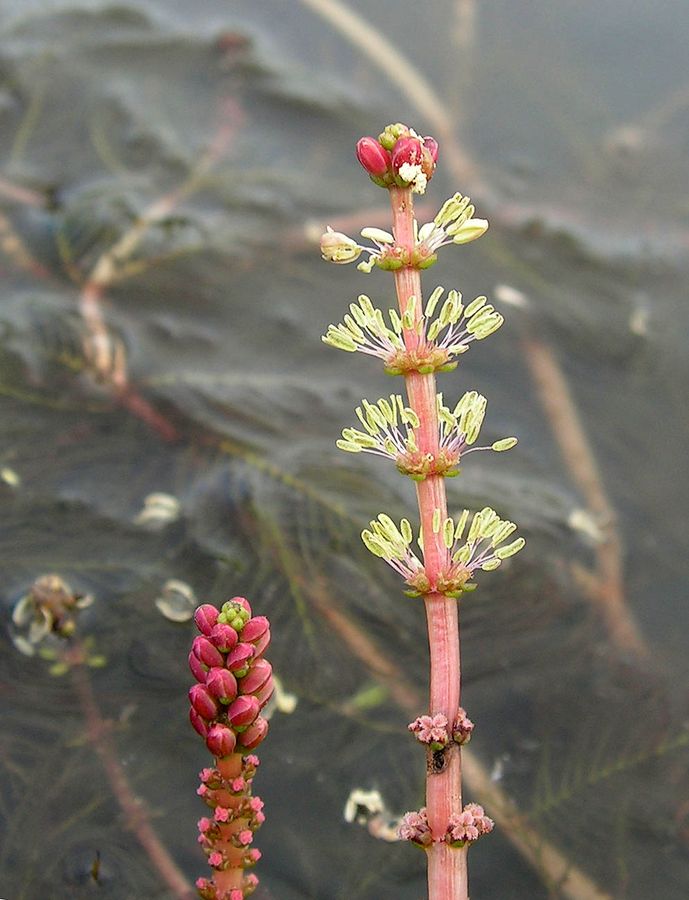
[638, 321]
[361, 805]
[159, 510]
[177, 601]
[282, 700]
[509, 295]
[585, 523]
[10, 477]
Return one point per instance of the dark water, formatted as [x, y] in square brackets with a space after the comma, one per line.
[576, 118]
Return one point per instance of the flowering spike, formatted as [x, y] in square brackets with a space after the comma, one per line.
[225, 713]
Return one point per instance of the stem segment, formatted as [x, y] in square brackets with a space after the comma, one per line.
[447, 869]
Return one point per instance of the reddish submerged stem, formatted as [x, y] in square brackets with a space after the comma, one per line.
[447, 868]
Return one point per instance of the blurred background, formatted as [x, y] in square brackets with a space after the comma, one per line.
[169, 417]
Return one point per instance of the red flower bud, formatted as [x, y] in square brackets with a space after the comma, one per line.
[264, 694]
[254, 734]
[372, 156]
[431, 145]
[222, 684]
[260, 671]
[206, 652]
[261, 643]
[205, 617]
[407, 150]
[198, 670]
[255, 628]
[198, 724]
[221, 740]
[202, 701]
[224, 637]
[239, 658]
[243, 710]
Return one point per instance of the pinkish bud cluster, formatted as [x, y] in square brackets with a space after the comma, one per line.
[233, 684]
[435, 731]
[415, 828]
[431, 730]
[399, 157]
[462, 728]
[468, 826]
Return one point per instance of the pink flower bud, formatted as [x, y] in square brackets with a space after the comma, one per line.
[243, 711]
[255, 628]
[261, 643]
[236, 894]
[203, 702]
[224, 637]
[197, 723]
[205, 617]
[221, 740]
[372, 156]
[260, 671]
[432, 146]
[265, 693]
[254, 734]
[206, 652]
[408, 150]
[198, 670]
[238, 659]
[222, 684]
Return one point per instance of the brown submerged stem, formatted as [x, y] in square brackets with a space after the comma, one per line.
[135, 813]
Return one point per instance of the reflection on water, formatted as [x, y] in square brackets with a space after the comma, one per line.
[161, 325]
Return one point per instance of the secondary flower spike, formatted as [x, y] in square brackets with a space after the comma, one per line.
[233, 684]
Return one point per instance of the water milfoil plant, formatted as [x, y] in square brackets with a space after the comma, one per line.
[427, 440]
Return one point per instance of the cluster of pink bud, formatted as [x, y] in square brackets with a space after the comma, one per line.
[464, 828]
[233, 684]
[435, 731]
[414, 827]
[399, 157]
[467, 827]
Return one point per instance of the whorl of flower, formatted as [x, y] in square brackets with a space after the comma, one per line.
[431, 730]
[454, 224]
[233, 683]
[414, 827]
[389, 428]
[462, 728]
[468, 826]
[385, 253]
[437, 339]
[480, 550]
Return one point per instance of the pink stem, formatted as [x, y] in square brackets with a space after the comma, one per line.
[447, 869]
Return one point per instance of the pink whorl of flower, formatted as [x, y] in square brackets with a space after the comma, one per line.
[221, 814]
[430, 729]
[468, 826]
[246, 836]
[462, 728]
[414, 827]
[236, 894]
[215, 859]
[205, 825]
